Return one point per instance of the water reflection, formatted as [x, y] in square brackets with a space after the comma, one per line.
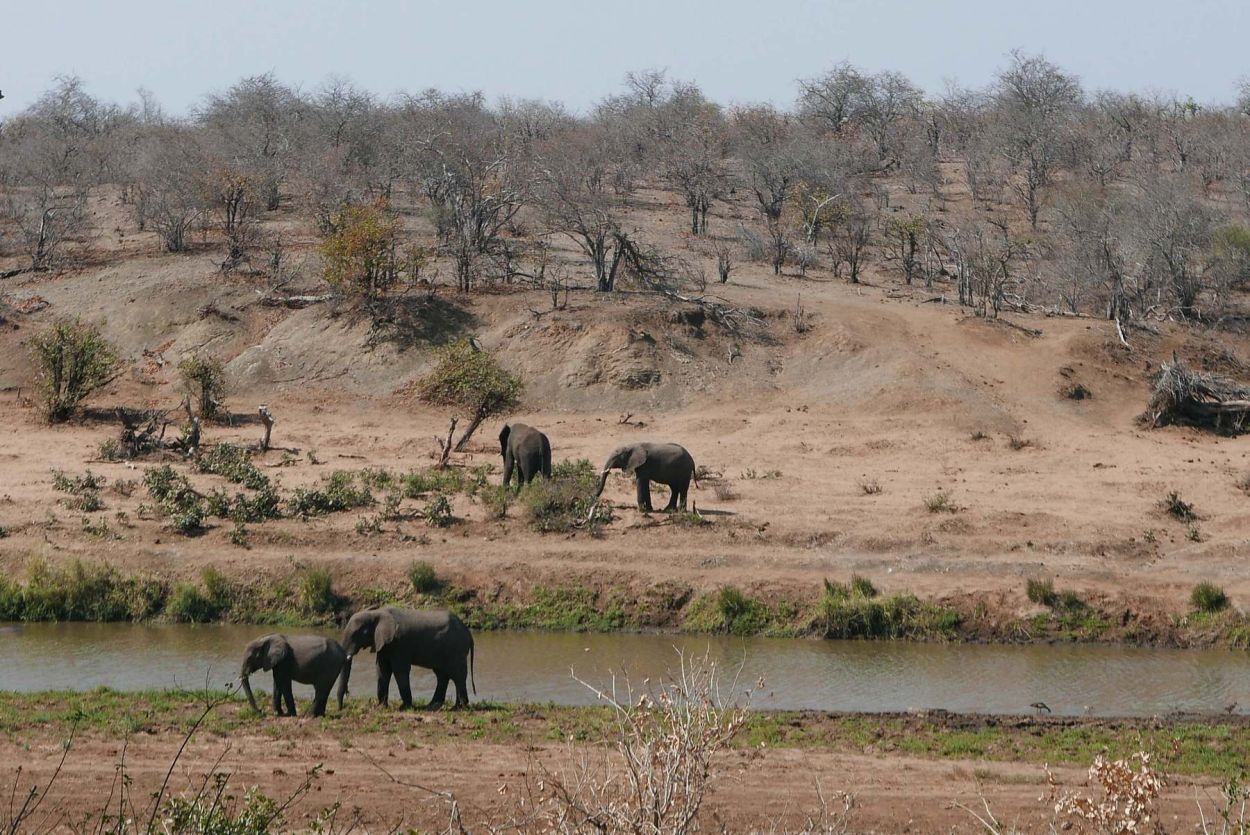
[537, 667]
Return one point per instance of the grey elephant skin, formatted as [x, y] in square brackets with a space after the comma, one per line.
[400, 638]
[526, 451]
[307, 659]
[664, 463]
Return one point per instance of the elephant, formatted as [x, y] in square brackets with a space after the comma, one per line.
[308, 659]
[668, 464]
[526, 450]
[432, 638]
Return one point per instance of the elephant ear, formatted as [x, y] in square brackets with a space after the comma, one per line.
[279, 653]
[384, 632]
[503, 439]
[637, 457]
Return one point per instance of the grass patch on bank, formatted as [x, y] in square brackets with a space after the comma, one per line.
[1212, 747]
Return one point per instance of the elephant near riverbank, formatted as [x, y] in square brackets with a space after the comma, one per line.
[525, 450]
[668, 464]
[307, 659]
[433, 638]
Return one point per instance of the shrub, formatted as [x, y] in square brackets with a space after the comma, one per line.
[238, 535]
[862, 586]
[1208, 597]
[564, 501]
[1041, 591]
[424, 580]
[1178, 508]
[204, 379]
[173, 494]
[438, 513]
[187, 604]
[316, 592]
[1017, 443]
[740, 614]
[848, 612]
[84, 490]
[940, 502]
[74, 360]
[470, 379]
[871, 487]
[496, 499]
[339, 493]
[234, 464]
[360, 253]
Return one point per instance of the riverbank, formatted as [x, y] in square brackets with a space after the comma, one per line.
[491, 754]
[311, 595]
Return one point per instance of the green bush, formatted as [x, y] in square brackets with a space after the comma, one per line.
[424, 580]
[562, 502]
[470, 380]
[84, 490]
[204, 379]
[192, 604]
[234, 464]
[339, 493]
[862, 586]
[173, 494]
[438, 512]
[1208, 597]
[845, 612]
[1041, 591]
[740, 614]
[74, 360]
[1178, 508]
[317, 592]
[496, 499]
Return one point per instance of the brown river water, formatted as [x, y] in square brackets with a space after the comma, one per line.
[539, 667]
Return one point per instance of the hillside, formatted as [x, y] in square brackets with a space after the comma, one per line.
[887, 386]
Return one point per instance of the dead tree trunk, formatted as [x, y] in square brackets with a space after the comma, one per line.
[267, 419]
[446, 445]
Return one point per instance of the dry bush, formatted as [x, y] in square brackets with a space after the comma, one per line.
[1130, 788]
[656, 765]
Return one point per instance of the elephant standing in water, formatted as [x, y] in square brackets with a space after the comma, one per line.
[435, 639]
[526, 450]
[668, 464]
[308, 659]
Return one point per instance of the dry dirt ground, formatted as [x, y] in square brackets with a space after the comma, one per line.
[886, 386]
[916, 398]
[753, 790]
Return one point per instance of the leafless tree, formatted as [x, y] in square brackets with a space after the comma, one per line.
[170, 169]
[255, 120]
[1036, 102]
[849, 242]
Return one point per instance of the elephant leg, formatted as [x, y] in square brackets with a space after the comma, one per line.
[459, 675]
[384, 680]
[644, 495]
[403, 671]
[677, 499]
[287, 694]
[440, 690]
[319, 700]
[507, 468]
[277, 695]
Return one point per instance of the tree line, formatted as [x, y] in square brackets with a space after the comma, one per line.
[1030, 192]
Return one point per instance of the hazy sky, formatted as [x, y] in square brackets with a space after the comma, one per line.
[576, 51]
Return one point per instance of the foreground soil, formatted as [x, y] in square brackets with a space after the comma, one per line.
[907, 773]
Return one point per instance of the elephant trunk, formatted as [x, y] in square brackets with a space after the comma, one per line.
[603, 481]
[247, 688]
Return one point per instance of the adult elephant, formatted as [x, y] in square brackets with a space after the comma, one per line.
[668, 464]
[526, 451]
[433, 638]
[307, 659]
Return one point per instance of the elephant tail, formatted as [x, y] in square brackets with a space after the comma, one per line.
[344, 676]
[472, 677]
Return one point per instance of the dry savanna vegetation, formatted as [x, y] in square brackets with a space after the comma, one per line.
[957, 365]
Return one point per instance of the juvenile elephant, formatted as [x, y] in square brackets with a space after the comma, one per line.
[434, 638]
[308, 659]
[667, 464]
[526, 450]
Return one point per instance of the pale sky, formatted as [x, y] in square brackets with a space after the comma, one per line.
[577, 51]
